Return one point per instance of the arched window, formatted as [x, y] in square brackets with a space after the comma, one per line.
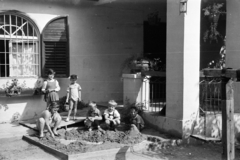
[19, 47]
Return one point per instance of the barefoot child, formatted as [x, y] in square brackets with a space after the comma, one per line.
[50, 88]
[93, 117]
[73, 96]
[49, 119]
[111, 115]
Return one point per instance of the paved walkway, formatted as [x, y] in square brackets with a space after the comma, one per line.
[8, 130]
[12, 134]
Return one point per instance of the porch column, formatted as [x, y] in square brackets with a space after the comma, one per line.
[233, 35]
[232, 45]
[183, 59]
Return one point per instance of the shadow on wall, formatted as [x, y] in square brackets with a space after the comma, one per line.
[21, 108]
[211, 126]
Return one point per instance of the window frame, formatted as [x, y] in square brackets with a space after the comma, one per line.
[40, 49]
[29, 20]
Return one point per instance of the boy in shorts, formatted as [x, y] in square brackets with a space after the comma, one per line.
[93, 117]
[73, 96]
[111, 115]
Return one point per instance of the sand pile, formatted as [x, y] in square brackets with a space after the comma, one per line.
[109, 139]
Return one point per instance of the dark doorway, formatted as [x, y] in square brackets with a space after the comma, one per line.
[155, 41]
[210, 50]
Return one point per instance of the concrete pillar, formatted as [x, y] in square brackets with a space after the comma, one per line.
[232, 45]
[183, 64]
[233, 35]
[136, 89]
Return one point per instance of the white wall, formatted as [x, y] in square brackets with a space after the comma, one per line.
[183, 59]
[102, 37]
[233, 35]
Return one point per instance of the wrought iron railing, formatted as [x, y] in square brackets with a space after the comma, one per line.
[157, 92]
[210, 95]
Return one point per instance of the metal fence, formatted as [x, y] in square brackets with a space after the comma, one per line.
[210, 95]
[157, 91]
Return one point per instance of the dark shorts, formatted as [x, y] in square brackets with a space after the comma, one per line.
[92, 124]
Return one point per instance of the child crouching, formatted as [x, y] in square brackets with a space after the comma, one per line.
[136, 119]
[111, 116]
[93, 117]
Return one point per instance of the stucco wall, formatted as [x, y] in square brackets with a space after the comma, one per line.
[233, 35]
[102, 36]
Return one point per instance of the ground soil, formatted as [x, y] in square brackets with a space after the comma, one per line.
[99, 140]
[18, 149]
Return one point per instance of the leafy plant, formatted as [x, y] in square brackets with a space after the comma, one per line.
[213, 13]
[136, 63]
[13, 89]
[213, 9]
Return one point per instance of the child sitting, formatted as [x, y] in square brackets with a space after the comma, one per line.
[136, 119]
[111, 115]
[73, 96]
[93, 117]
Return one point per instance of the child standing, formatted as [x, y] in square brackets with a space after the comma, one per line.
[50, 88]
[93, 117]
[111, 115]
[73, 96]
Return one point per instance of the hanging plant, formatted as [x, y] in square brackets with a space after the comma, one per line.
[213, 13]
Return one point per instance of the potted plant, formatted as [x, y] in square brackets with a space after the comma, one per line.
[13, 89]
[213, 13]
[137, 64]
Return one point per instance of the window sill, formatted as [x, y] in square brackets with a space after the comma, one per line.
[20, 77]
[26, 86]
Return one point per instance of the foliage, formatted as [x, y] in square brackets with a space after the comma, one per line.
[4, 106]
[136, 63]
[219, 62]
[139, 105]
[213, 12]
[38, 87]
[213, 9]
[14, 88]
[16, 117]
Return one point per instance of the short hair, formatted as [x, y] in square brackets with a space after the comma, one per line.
[50, 72]
[112, 103]
[73, 76]
[134, 108]
[54, 105]
[92, 102]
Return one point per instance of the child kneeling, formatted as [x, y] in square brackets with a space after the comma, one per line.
[93, 117]
[111, 116]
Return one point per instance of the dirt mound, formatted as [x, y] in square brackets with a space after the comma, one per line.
[133, 132]
[130, 137]
[109, 139]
